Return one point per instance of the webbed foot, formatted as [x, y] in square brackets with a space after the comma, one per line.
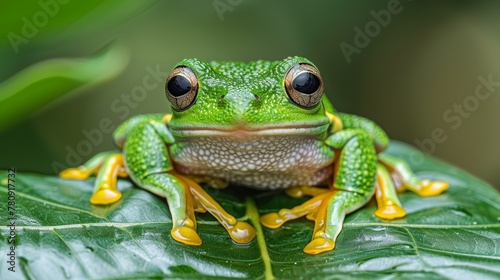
[404, 178]
[315, 209]
[200, 201]
[186, 235]
[327, 209]
[430, 188]
[352, 187]
[309, 208]
[319, 245]
[394, 175]
[108, 166]
[105, 196]
[76, 173]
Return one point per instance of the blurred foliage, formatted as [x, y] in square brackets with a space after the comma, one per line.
[45, 81]
[426, 59]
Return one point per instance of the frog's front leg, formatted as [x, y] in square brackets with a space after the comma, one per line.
[353, 186]
[144, 140]
[148, 161]
[392, 173]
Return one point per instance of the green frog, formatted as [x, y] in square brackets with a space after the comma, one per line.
[265, 125]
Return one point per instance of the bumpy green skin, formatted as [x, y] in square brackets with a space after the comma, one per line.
[147, 161]
[226, 101]
[377, 134]
[238, 82]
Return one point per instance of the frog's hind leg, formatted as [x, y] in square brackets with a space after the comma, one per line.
[108, 166]
[389, 206]
[308, 208]
[404, 178]
[305, 191]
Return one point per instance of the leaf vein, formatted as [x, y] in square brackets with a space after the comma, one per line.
[422, 226]
[27, 196]
[415, 247]
[80, 262]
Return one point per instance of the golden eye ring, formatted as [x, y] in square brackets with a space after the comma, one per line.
[181, 88]
[304, 85]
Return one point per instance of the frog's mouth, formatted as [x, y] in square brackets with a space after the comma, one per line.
[245, 132]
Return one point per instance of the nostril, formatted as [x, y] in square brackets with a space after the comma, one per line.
[257, 97]
[221, 98]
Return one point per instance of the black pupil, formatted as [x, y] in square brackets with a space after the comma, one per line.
[178, 85]
[306, 83]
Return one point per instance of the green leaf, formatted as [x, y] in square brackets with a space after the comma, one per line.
[45, 81]
[59, 234]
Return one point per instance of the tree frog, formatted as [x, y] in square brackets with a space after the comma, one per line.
[265, 125]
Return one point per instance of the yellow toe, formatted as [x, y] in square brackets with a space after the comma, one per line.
[431, 188]
[311, 216]
[390, 212]
[186, 235]
[319, 245]
[272, 220]
[105, 197]
[76, 173]
[295, 192]
[242, 233]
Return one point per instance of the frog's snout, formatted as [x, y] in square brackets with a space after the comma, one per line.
[221, 98]
[240, 102]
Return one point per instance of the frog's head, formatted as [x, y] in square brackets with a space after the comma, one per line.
[239, 99]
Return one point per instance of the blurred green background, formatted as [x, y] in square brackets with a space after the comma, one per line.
[73, 70]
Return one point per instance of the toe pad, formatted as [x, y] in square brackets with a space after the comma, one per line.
[105, 197]
[75, 173]
[390, 212]
[242, 233]
[431, 188]
[186, 235]
[272, 220]
[319, 245]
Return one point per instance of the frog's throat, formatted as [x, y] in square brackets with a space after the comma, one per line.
[246, 132]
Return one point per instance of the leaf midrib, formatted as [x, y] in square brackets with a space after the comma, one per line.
[254, 216]
[48, 202]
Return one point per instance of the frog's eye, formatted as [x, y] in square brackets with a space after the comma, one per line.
[304, 85]
[181, 88]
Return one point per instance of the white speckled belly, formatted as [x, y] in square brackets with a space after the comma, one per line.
[265, 162]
